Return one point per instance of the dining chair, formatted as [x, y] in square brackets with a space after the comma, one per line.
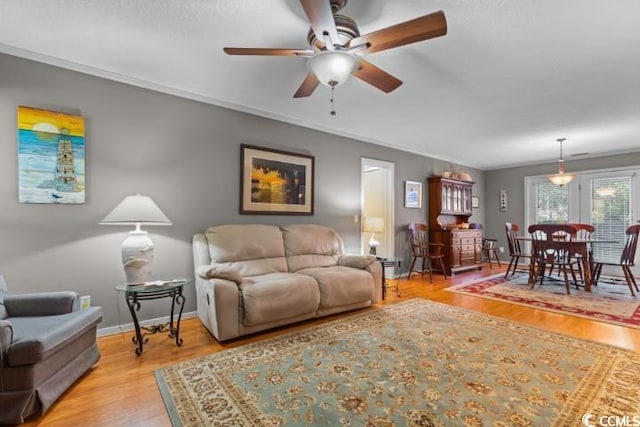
[627, 259]
[551, 245]
[515, 248]
[584, 232]
[489, 251]
[422, 248]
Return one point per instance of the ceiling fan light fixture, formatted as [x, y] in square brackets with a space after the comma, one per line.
[561, 178]
[333, 67]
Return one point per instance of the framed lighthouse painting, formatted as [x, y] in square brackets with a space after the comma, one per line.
[50, 157]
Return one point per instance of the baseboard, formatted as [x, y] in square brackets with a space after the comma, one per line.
[118, 329]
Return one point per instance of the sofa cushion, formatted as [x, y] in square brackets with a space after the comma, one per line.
[35, 338]
[341, 285]
[251, 249]
[276, 296]
[311, 245]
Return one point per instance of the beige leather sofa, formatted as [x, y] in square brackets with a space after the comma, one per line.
[254, 277]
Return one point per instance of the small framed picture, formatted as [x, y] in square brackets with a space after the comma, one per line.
[412, 194]
[504, 204]
[475, 202]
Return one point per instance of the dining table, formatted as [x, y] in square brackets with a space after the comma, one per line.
[579, 247]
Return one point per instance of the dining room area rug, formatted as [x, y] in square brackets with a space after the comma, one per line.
[413, 363]
[610, 301]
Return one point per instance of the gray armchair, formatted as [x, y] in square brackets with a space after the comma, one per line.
[46, 344]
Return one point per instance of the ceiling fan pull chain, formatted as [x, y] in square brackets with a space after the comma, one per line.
[333, 110]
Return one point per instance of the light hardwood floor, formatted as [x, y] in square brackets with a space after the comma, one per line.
[121, 390]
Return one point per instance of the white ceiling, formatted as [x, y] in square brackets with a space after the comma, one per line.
[507, 80]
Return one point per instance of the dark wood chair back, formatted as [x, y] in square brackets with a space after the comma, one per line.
[514, 244]
[552, 232]
[421, 248]
[551, 245]
[419, 239]
[629, 251]
[627, 259]
[584, 231]
[515, 249]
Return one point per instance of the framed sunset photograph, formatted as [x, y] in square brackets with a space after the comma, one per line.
[275, 182]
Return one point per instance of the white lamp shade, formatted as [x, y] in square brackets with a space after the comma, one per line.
[373, 224]
[134, 210]
[560, 179]
[333, 67]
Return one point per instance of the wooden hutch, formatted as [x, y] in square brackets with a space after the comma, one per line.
[449, 212]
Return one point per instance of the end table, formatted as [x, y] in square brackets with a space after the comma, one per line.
[134, 293]
[391, 263]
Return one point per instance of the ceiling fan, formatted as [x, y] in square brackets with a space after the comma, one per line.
[337, 47]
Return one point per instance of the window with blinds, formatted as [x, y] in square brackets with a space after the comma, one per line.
[607, 199]
[610, 214]
[552, 203]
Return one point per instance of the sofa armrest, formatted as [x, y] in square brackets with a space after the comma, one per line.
[219, 303]
[375, 268]
[41, 303]
[370, 264]
[6, 337]
[219, 272]
[356, 261]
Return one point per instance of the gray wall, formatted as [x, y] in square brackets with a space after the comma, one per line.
[182, 153]
[512, 180]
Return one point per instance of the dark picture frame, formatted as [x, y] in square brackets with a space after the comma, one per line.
[413, 194]
[275, 182]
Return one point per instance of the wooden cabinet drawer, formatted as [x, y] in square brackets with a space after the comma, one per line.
[468, 261]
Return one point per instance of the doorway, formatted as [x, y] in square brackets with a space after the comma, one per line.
[377, 193]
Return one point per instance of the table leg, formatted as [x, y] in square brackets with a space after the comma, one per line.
[586, 267]
[174, 332]
[384, 283]
[134, 305]
[532, 271]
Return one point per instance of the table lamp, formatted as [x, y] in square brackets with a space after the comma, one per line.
[373, 225]
[137, 248]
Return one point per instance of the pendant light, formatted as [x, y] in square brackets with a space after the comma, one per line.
[561, 178]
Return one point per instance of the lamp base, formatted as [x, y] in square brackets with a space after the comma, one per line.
[373, 244]
[137, 256]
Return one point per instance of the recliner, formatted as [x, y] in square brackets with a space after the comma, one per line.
[46, 343]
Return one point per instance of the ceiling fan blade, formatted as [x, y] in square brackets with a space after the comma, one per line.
[267, 51]
[376, 77]
[423, 28]
[321, 19]
[307, 87]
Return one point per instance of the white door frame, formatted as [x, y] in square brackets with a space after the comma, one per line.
[388, 196]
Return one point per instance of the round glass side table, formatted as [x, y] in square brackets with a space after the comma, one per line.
[134, 293]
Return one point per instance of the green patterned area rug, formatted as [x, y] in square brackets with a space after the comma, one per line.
[416, 363]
